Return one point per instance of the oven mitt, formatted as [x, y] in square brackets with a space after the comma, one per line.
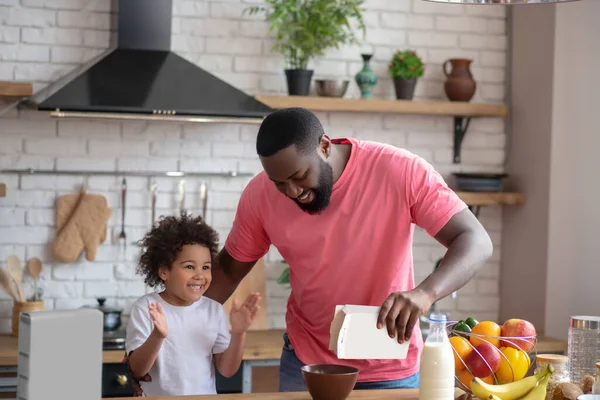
[85, 228]
[66, 206]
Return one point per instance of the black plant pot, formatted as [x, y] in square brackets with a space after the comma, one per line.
[405, 88]
[298, 81]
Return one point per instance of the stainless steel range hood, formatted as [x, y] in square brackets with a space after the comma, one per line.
[501, 2]
[143, 79]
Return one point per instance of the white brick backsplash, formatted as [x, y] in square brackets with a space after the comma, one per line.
[85, 163]
[64, 36]
[147, 164]
[26, 235]
[147, 131]
[259, 64]
[239, 46]
[118, 148]
[40, 217]
[7, 250]
[12, 216]
[41, 40]
[89, 129]
[190, 8]
[31, 18]
[27, 128]
[66, 146]
[387, 5]
[9, 34]
[461, 24]
[86, 20]
[11, 144]
[387, 37]
[432, 39]
[394, 20]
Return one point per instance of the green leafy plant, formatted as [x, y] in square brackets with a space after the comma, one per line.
[284, 278]
[306, 28]
[406, 65]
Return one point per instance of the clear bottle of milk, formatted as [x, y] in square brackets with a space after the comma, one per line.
[436, 380]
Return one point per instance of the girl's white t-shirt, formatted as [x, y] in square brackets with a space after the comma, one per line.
[184, 365]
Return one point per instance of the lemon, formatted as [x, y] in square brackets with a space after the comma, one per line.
[514, 365]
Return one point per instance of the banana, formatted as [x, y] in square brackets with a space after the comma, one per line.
[494, 397]
[507, 391]
[538, 392]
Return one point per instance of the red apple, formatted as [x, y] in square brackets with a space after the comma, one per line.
[484, 360]
[514, 328]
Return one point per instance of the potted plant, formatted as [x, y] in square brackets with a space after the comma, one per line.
[405, 68]
[284, 278]
[305, 29]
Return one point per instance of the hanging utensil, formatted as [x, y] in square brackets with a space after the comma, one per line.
[6, 282]
[203, 199]
[182, 196]
[14, 269]
[122, 235]
[153, 189]
[34, 266]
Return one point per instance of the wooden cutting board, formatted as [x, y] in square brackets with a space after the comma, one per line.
[253, 282]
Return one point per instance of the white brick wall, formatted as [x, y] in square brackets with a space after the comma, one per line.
[41, 40]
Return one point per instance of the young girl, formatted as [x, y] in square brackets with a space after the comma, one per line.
[175, 335]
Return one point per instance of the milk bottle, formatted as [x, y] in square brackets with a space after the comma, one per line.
[436, 380]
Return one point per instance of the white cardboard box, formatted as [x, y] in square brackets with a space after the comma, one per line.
[354, 335]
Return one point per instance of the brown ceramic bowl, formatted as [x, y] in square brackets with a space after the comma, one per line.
[329, 381]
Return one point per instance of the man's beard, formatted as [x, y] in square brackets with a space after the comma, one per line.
[322, 193]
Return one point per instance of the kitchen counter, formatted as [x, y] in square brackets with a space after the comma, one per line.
[389, 394]
[260, 345]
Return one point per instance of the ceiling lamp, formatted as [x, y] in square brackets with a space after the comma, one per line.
[501, 2]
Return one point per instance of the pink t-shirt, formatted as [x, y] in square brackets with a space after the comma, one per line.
[357, 251]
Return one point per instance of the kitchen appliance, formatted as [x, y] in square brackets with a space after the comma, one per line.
[143, 79]
[112, 316]
[479, 182]
[69, 338]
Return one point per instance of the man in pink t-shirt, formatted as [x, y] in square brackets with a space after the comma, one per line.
[342, 214]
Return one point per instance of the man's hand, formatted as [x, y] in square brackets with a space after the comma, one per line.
[135, 381]
[242, 317]
[400, 312]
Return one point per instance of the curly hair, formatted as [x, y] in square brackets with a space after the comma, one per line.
[162, 244]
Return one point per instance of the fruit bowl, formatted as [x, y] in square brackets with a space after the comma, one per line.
[495, 354]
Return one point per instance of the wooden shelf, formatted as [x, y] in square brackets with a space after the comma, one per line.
[489, 199]
[2, 190]
[449, 108]
[15, 89]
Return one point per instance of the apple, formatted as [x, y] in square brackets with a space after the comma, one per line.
[514, 328]
[484, 360]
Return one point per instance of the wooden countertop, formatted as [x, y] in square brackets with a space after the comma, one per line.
[388, 394]
[260, 345]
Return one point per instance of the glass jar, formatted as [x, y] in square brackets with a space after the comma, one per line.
[560, 374]
[584, 346]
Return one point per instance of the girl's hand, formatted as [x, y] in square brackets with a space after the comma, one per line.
[159, 319]
[242, 317]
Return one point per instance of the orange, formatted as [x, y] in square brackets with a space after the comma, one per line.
[465, 377]
[514, 365]
[462, 348]
[486, 329]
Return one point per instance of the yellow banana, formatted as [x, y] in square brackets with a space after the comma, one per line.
[494, 397]
[538, 392]
[507, 391]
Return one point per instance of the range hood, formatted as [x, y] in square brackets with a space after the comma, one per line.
[143, 79]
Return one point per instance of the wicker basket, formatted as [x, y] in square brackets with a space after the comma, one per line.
[519, 343]
[19, 307]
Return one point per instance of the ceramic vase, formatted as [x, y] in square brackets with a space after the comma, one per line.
[366, 78]
[459, 85]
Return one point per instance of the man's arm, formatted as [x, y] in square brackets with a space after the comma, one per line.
[226, 276]
[469, 246]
